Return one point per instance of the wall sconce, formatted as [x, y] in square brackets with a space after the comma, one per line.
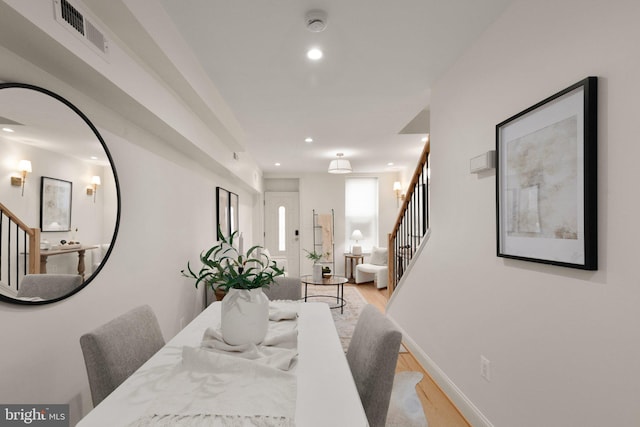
[24, 167]
[397, 188]
[356, 249]
[91, 191]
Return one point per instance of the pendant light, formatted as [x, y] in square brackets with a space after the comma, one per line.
[340, 165]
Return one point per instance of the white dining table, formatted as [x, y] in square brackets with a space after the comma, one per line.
[326, 392]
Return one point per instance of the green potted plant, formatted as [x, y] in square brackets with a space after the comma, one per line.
[318, 270]
[316, 256]
[245, 308]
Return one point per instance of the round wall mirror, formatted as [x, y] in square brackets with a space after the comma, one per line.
[59, 197]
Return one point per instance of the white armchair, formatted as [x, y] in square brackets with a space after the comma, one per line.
[375, 270]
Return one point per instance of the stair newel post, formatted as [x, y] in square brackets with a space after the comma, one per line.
[34, 251]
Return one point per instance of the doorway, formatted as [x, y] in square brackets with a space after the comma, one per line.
[282, 228]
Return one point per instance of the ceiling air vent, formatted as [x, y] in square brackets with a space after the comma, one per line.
[70, 17]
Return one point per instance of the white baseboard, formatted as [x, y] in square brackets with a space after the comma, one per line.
[464, 405]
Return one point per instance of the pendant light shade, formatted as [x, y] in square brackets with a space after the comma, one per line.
[340, 165]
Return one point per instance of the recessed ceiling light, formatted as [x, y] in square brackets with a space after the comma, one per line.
[424, 139]
[277, 164]
[308, 139]
[314, 54]
[7, 130]
[390, 164]
[93, 158]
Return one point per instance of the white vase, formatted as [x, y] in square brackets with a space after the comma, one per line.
[245, 316]
[317, 272]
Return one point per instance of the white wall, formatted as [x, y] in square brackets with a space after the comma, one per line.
[562, 343]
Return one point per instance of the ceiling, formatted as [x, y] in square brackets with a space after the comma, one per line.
[39, 120]
[380, 59]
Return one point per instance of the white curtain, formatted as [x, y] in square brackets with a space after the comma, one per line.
[361, 211]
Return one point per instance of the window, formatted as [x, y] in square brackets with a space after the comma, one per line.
[361, 211]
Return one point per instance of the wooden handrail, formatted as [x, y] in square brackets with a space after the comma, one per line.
[392, 258]
[412, 184]
[14, 218]
[34, 239]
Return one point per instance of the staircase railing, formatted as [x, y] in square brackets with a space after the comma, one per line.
[19, 249]
[412, 223]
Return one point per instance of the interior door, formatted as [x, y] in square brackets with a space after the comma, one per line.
[281, 228]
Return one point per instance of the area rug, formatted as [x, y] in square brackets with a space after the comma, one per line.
[405, 408]
[345, 322]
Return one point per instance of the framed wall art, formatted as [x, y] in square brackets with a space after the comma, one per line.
[55, 204]
[234, 201]
[546, 186]
[222, 215]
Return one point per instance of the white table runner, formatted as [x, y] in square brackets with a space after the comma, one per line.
[214, 389]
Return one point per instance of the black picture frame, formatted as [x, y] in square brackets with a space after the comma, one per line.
[546, 180]
[55, 204]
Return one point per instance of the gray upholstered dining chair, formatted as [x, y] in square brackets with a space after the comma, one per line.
[113, 351]
[372, 356]
[48, 286]
[285, 288]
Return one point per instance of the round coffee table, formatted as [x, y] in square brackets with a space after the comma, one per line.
[337, 281]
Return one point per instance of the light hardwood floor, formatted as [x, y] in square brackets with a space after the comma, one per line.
[438, 409]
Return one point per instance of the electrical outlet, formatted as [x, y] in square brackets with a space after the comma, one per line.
[485, 368]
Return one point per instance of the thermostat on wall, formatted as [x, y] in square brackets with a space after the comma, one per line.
[483, 162]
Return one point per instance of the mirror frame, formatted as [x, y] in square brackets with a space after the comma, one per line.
[115, 178]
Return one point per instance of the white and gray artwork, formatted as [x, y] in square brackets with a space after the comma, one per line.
[542, 182]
